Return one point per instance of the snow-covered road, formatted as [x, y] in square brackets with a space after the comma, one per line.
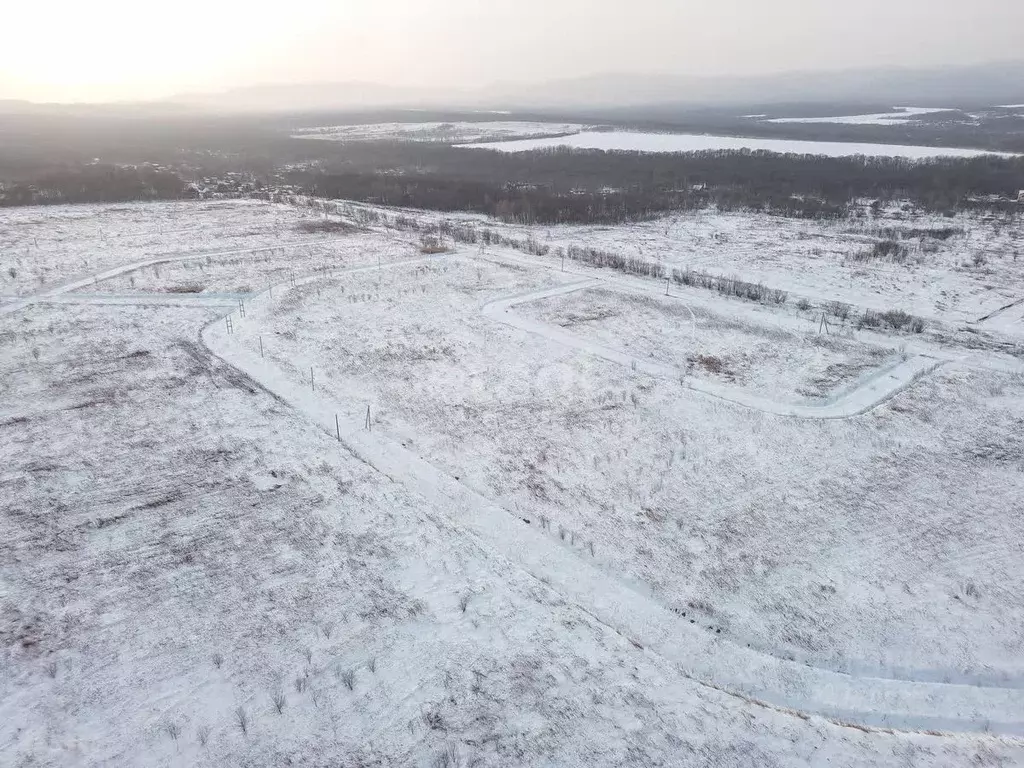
[866, 394]
[627, 608]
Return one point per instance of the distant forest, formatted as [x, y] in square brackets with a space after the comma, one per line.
[591, 186]
[53, 159]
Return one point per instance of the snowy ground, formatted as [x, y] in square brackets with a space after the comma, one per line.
[610, 454]
[42, 246]
[186, 545]
[704, 344]
[959, 279]
[636, 141]
[449, 133]
[900, 116]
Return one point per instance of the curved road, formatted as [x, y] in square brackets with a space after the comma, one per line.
[696, 653]
[704, 656]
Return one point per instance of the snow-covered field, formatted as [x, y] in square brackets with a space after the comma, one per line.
[705, 344]
[449, 133]
[508, 549]
[40, 247]
[957, 270]
[900, 116]
[635, 141]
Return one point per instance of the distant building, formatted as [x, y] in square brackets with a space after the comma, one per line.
[1020, 196]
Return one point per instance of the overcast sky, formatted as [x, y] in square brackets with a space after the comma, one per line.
[87, 50]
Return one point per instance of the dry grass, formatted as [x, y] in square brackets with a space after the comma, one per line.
[711, 364]
[326, 226]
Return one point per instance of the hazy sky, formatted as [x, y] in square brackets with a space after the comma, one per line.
[115, 49]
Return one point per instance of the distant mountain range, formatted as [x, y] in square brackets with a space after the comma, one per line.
[953, 86]
[963, 86]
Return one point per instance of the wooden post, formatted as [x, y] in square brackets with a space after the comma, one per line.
[312, 384]
[337, 427]
[668, 281]
[230, 328]
[368, 418]
[261, 345]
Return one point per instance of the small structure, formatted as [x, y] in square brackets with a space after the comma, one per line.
[1020, 196]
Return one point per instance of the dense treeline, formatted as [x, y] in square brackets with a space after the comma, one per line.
[50, 158]
[594, 186]
[95, 183]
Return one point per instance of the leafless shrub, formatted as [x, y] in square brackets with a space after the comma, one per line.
[348, 677]
[323, 225]
[242, 718]
[886, 250]
[203, 734]
[218, 660]
[907, 233]
[301, 682]
[803, 305]
[460, 234]
[434, 720]
[280, 700]
[172, 729]
[711, 364]
[838, 309]
[429, 244]
[730, 286]
[372, 664]
[307, 654]
[327, 628]
[896, 319]
[634, 265]
[562, 532]
[870, 319]
[464, 601]
[185, 288]
[449, 757]
[405, 223]
[51, 668]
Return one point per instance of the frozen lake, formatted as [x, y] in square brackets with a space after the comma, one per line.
[450, 132]
[901, 116]
[685, 142]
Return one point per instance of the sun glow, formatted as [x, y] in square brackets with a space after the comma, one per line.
[76, 50]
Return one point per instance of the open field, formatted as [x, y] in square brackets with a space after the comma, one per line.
[636, 141]
[423, 509]
[954, 270]
[629, 462]
[42, 247]
[899, 116]
[701, 343]
[452, 132]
